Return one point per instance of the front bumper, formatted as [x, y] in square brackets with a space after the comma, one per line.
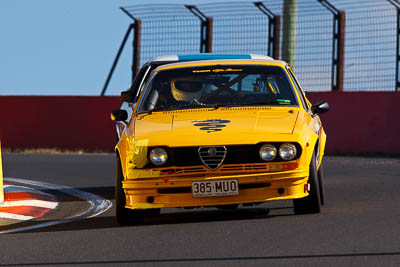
[170, 191]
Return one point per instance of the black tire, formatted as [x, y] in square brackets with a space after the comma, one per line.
[312, 202]
[228, 207]
[321, 184]
[123, 215]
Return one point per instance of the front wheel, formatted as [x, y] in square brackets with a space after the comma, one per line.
[312, 202]
[321, 184]
[123, 215]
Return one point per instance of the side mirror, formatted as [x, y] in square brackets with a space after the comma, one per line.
[320, 107]
[125, 96]
[119, 115]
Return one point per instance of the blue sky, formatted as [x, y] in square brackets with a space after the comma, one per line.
[63, 47]
[66, 47]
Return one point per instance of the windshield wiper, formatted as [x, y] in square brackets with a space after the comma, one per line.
[160, 108]
[267, 102]
[193, 104]
[202, 105]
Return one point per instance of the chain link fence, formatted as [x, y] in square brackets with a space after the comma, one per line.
[370, 46]
[370, 32]
[238, 27]
[313, 37]
[166, 29]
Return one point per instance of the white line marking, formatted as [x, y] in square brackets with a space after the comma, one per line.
[34, 203]
[5, 215]
[98, 205]
[18, 188]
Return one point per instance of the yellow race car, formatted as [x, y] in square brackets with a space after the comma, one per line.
[218, 131]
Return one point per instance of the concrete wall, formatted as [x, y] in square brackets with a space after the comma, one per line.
[361, 122]
[358, 122]
[65, 122]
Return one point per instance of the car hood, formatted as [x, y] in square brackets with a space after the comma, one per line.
[215, 126]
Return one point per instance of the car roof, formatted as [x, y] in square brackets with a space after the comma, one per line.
[208, 56]
[213, 62]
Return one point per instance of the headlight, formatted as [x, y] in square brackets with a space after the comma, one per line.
[268, 152]
[158, 156]
[287, 151]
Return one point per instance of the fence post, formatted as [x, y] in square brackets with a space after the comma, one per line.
[136, 27]
[396, 4]
[137, 40]
[209, 33]
[1, 179]
[103, 91]
[289, 32]
[206, 29]
[339, 21]
[274, 30]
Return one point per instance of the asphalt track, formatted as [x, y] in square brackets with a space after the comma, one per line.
[359, 226]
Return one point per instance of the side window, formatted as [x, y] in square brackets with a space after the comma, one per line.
[298, 88]
[139, 83]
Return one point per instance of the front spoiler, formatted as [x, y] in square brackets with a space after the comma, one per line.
[172, 192]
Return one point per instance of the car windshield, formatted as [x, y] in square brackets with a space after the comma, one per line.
[217, 86]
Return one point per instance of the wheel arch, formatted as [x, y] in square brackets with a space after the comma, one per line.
[121, 161]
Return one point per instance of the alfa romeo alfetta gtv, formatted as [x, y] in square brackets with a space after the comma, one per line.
[219, 133]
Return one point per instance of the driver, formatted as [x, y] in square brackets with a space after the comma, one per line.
[184, 89]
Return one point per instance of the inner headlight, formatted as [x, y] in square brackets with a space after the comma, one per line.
[158, 156]
[287, 151]
[268, 152]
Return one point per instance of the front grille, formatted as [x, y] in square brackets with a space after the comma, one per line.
[234, 154]
[212, 156]
[245, 167]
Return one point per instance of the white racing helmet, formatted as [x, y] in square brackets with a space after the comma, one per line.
[186, 89]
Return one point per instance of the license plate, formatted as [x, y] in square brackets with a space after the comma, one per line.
[215, 188]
